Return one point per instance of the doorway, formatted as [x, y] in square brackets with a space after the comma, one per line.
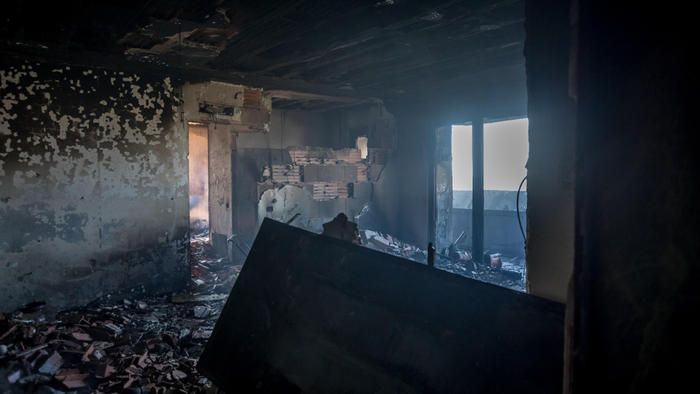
[198, 157]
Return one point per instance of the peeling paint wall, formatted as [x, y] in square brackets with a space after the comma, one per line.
[93, 184]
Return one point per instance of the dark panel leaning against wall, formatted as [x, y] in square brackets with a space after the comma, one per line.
[637, 264]
[93, 184]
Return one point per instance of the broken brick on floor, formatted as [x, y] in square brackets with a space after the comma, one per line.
[138, 345]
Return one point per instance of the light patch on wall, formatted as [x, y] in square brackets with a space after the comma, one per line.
[505, 154]
[462, 171]
[284, 203]
[5, 115]
[362, 146]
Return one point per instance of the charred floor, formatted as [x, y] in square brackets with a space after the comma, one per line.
[368, 196]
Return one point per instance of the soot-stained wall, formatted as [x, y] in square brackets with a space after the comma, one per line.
[637, 252]
[93, 184]
[550, 167]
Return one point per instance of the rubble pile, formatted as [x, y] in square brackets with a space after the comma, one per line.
[388, 244]
[509, 272]
[149, 345]
[510, 275]
[209, 273]
[199, 228]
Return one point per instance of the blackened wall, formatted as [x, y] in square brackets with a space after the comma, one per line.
[550, 166]
[637, 270]
[93, 184]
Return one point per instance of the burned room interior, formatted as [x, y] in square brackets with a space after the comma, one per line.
[384, 196]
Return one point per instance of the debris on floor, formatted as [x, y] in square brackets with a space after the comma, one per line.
[496, 269]
[388, 244]
[153, 344]
[149, 345]
[210, 274]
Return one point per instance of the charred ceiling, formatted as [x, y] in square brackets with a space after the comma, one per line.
[389, 48]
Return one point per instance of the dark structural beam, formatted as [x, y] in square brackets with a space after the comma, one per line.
[478, 188]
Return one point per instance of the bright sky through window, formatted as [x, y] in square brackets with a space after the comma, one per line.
[505, 155]
[461, 157]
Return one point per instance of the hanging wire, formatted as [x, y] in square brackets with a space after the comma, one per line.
[517, 208]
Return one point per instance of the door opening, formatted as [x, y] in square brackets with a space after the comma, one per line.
[199, 181]
[210, 181]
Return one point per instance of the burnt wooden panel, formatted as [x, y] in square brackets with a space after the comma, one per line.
[314, 314]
